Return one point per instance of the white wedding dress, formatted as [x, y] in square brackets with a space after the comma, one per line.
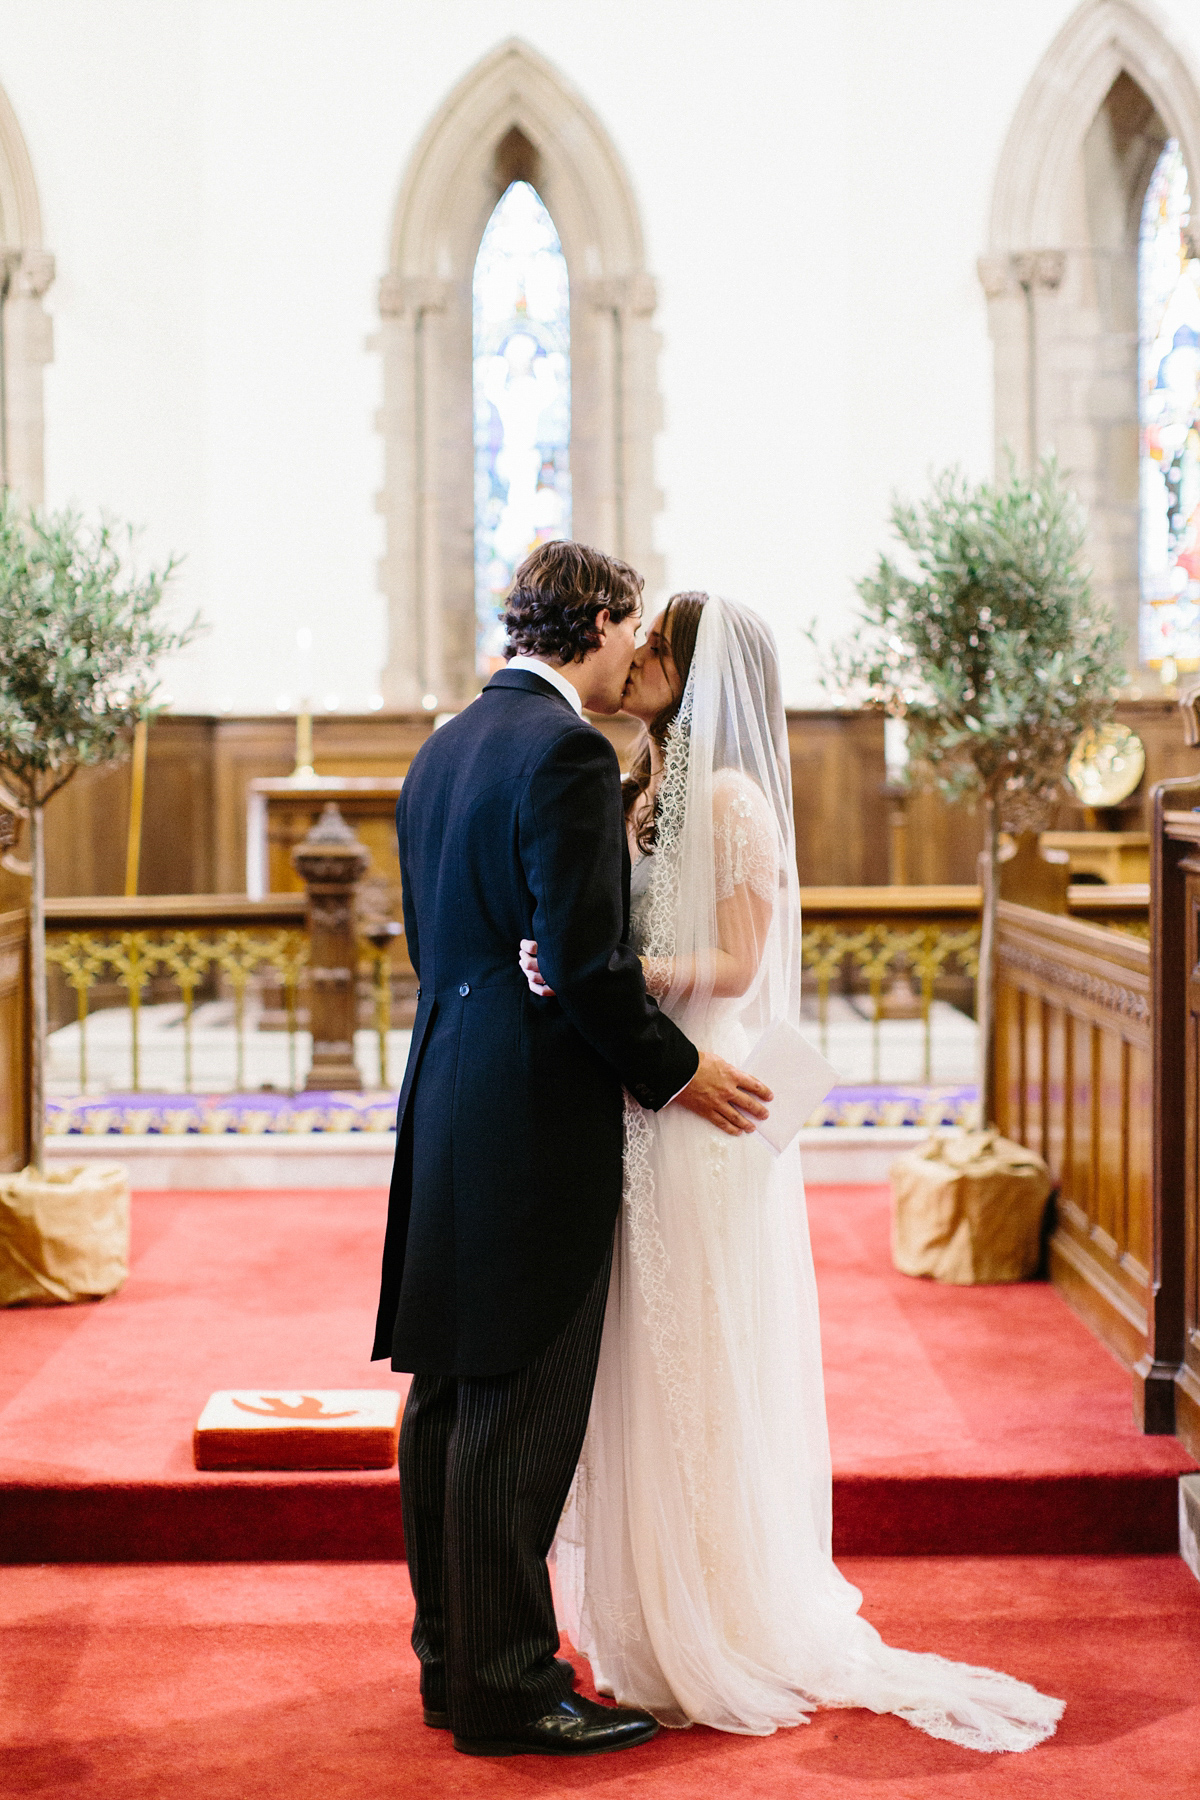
[694, 1555]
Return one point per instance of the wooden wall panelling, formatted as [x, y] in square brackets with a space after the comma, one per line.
[1009, 1047]
[1055, 1077]
[1173, 1360]
[1073, 1019]
[944, 841]
[1174, 841]
[1111, 1104]
[14, 1040]
[1076, 1195]
[86, 829]
[87, 823]
[242, 750]
[199, 769]
[1033, 1119]
[374, 744]
[178, 840]
[1187, 1376]
[838, 773]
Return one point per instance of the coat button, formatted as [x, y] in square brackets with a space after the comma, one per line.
[464, 989]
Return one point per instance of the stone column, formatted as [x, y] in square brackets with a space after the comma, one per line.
[331, 862]
[29, 346]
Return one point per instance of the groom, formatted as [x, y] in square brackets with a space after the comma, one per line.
[509, 1141]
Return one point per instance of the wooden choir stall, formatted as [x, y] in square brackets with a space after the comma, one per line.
[1098, 1068]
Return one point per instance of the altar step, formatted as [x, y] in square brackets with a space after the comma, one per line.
[356, 1518]
[963, 1421]
[348, 1159]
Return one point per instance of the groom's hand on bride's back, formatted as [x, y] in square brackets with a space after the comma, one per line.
[727, 1097]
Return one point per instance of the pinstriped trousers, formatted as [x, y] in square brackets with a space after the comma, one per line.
[486, 1464]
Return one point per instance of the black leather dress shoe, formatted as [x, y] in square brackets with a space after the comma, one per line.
[439, 1720]
[575, 1727]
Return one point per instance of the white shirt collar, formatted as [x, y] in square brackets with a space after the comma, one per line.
[535, 666]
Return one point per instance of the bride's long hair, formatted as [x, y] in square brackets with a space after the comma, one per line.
[681, 627]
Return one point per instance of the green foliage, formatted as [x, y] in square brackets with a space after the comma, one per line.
[79, 637]
[991, 647]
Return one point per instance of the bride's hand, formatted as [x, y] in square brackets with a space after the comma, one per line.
[527, 957]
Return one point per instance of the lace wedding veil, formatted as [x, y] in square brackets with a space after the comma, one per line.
[694, 1557]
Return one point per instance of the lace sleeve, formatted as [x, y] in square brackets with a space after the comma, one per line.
[745, 839]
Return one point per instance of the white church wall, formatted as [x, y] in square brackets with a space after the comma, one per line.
[217, 183]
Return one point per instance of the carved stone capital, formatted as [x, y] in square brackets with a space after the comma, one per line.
[642, 295]
[1043, 269]
[402, 295]
[996, 276]
[636, 294]
[34, 273]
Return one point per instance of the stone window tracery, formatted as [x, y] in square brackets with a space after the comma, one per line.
[512, 119]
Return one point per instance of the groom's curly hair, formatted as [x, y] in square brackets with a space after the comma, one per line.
[555, 597]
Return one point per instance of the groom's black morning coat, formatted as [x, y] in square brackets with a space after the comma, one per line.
[509, 1131]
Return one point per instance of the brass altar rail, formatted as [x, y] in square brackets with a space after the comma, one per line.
[895, 943]
[183, 938]
[889, 935]
[893, 936]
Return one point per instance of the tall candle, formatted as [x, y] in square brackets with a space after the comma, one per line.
[895, 748]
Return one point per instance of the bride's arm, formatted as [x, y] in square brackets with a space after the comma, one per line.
[724, 972]
[743, 922]
[746, 869]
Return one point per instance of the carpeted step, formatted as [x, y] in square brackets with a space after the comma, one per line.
[352, 1518]
[963, 1421]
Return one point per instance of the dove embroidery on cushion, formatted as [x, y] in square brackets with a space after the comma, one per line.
[307, 1407]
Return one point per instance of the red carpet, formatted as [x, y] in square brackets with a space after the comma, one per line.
[296, 1682]
[963, 1420]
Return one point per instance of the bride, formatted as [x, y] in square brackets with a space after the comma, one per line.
[694, 1555]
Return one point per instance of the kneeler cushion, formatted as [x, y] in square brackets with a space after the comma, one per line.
[278, 1428]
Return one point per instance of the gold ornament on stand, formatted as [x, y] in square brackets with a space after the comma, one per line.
[1106, 766]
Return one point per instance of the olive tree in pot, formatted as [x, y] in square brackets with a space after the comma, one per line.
[986, 639]
[80, 634]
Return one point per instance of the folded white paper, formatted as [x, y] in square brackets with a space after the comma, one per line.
[797, 1075]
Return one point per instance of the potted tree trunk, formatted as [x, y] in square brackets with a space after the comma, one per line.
[986, 639]
[80, 634]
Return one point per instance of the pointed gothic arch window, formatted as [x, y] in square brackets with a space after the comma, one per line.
[513, 119]
[1169, 418]
[521, 365]
[1073, 321]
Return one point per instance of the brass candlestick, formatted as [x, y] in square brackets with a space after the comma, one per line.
[381, 938]
[137, 795]
[304, 770]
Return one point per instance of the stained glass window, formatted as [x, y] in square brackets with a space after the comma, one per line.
[1169, 403]
[522, 378]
